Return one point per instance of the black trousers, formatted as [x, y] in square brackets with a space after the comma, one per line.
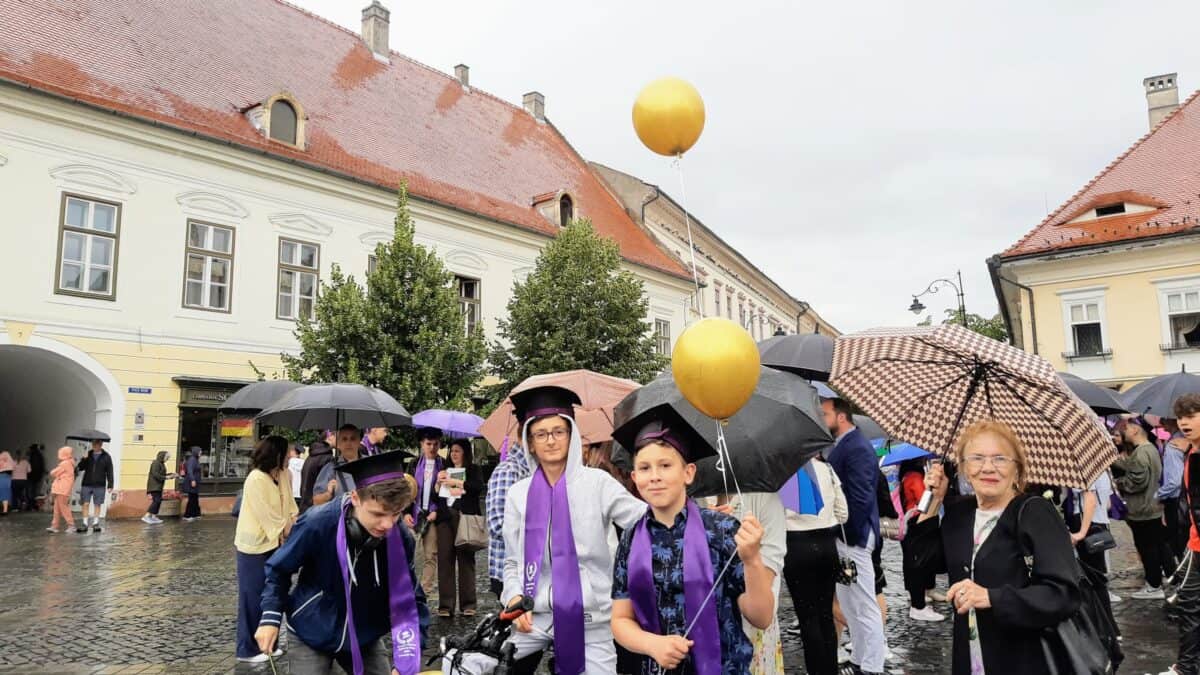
[1188, 613]
[1149, 539]
[192, 510]
[916, 579]
[1177, 527]
[810, 571]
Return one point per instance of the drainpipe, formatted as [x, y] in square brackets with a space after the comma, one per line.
[804, 309]
[993, 264]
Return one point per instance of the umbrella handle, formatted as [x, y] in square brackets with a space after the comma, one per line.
[926, 501]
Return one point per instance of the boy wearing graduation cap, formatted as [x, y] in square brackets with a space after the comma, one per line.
[356, 602]
[668, 563]
[556, 526]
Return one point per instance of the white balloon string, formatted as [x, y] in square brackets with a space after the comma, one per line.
[687, 221]
[723, 463]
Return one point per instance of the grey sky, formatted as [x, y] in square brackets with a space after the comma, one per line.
[853, 151]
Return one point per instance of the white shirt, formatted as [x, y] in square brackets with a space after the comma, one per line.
[981, 519]
[427, 490]
[1103, 488]
[294, 466]
[833, 512]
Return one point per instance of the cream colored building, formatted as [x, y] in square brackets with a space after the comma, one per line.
[1108, 286]
[175, 189]
[730, 285]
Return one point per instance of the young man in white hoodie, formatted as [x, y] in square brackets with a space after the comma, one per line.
[556, 526]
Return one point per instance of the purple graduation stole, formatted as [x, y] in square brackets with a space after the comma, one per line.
[697, 582]
[402, 602]
[547, 511]
[419, 475]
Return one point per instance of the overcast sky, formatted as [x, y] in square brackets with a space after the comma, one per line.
[853, 151]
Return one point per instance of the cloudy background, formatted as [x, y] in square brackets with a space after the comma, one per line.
[853, 151]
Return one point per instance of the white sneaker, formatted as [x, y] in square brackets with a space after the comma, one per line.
[277, 653]
[148, 519]
[257, 658]
[1149, 592]
[924, 614]
[187, 519]
[936, 596]
[52, 530]
[156, 521]
[1113, 598]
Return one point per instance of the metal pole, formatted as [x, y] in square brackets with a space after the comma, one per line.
[962, 305]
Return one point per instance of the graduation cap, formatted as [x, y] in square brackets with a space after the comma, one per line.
[542, 401]
[375, 468]
[663, 424]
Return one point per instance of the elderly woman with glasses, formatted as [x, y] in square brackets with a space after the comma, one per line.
[1011, 565]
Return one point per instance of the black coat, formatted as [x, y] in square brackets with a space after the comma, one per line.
[97, 470]
[319, 454]
[468, 503]
[1024, 599]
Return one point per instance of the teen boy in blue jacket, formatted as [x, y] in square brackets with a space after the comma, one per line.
[354, 546]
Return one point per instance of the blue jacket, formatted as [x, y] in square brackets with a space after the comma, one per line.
[853, 460]
[316, 607]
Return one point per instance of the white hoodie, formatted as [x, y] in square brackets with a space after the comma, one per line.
[597, 502]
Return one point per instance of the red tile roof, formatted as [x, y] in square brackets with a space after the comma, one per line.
[1161, 170]
[198, 65]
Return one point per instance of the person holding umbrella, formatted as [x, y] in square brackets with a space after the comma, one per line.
[330, 482]
[97, 483]
[684, 577]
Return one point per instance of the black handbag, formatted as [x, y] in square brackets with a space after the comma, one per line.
[1099, 539]
[1084, 643]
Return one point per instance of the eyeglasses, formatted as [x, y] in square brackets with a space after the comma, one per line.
[543, 436]
[1000, 462]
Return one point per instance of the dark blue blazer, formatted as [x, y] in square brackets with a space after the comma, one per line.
[853, 460]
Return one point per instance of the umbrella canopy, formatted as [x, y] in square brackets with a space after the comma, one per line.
[88, 435]
[769, 439]
[258, 396]
[452, 423]
[809, 355]
[1157, 395]
[329, 406]
[598, 394]
[1101, 400]
[902, 452]
[926, 384]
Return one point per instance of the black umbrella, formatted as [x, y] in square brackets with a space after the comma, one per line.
[329, 406]
[258, 396]
[809, 355]
[1157, 395]
[769, 439]
[88, 435]
[1101, 400]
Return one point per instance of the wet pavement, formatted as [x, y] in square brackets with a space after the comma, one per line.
[162, 599]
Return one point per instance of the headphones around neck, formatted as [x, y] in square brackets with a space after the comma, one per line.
[357, 535]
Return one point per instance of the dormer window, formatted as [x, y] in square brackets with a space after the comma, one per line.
[1110, 209]
[566, 210]
[283, 122]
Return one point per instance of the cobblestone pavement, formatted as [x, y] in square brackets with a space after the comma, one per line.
[162, 599]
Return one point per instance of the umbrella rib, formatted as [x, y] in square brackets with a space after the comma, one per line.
[975, 377]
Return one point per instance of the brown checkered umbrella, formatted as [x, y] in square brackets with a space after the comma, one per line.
[925, 384]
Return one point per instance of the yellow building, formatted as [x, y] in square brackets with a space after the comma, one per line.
[1108, 286]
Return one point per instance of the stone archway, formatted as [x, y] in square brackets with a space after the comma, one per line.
[48, 388]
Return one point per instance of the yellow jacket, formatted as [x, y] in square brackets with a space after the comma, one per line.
[267, 507]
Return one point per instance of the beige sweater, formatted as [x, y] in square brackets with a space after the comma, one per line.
[267, 507]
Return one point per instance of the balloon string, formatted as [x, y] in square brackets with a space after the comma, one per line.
[687, 221]
[722, 458]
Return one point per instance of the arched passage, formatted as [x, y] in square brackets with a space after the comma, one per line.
[49, 388]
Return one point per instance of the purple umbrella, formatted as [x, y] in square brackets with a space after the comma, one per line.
[452, 422]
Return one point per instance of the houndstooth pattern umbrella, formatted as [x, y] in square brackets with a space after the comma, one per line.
[924, 385]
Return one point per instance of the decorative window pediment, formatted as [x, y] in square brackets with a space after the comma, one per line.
[374, 238]
[211, 205]
[92, 179]
[300, 224]
[460, 259]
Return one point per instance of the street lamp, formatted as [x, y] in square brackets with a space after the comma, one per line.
[917, 307]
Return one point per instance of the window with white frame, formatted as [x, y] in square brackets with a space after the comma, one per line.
[208, 267]
[1183, 318]
[662, 337]
[1086, 328]
[299, 263]
[87, 251]
[468, 300]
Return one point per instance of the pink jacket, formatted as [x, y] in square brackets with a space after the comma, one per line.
[63, 474]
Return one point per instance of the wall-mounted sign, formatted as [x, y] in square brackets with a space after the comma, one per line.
[140, 390]
[139, 419]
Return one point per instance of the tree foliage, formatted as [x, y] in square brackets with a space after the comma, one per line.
[993, 327]
[577, 309]
[404, 333]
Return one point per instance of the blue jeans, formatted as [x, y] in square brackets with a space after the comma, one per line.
[251, 576]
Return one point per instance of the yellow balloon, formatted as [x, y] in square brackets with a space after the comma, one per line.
[668, 116]
[716, 364]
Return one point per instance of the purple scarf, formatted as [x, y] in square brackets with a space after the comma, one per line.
[697, 582]
[547, 509]
[419, 474]
[402, 603]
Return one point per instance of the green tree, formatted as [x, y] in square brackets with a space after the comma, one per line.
[403, 333]
[577, 309]
[993, 327]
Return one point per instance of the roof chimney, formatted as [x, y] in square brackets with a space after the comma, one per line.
[463, 73]
[375, 28]
[1162, 97]
[535, 104]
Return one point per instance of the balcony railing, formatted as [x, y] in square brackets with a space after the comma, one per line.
[1075, 356]
[1178, 347]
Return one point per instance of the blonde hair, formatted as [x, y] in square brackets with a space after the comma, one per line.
[1004, 433]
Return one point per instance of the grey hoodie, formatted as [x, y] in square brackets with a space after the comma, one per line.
[597, 503]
